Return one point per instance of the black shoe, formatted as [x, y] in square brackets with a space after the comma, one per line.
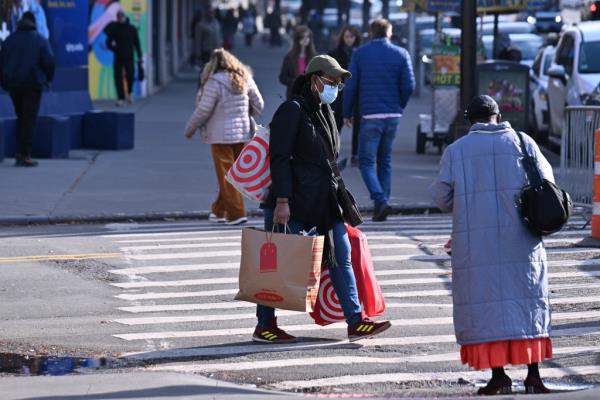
[381, 213]
[25, 162]
[354, 161]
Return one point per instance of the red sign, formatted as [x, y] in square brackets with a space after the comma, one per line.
[268, 257]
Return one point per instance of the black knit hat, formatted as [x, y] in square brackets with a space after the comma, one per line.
[482, 106]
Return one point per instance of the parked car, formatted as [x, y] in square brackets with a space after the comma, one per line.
[574, 73]
[548, 21]
[527, 43]
[538, 86]
[571, 3]
[591, 10]
[507, 27]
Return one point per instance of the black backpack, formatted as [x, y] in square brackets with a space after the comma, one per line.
[545, 208]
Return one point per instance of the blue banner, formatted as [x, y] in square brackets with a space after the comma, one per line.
[67, 23]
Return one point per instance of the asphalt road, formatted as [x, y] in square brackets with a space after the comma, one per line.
[161, 295]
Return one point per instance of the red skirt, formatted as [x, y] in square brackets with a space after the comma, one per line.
[504, 352]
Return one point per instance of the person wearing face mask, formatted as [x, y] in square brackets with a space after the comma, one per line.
[306, 190]
[294, 63]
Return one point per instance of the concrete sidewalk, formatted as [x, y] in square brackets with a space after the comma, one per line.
[169, 176]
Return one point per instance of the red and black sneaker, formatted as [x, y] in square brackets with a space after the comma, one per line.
[366, 329]
[272, 334]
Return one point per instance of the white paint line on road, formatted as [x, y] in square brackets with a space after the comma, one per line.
[175, 268]
[574, 263]
[177, 256]
[579, 315]
[237, 244]
[382, 282]
[188, 282]
[429, 376]
[198, 367]
[257, 348]
[180, 246]
[175, 295]
[189, 239]
[233, 305]
[170, 232]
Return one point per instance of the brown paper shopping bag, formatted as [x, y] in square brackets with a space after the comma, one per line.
[280, 270]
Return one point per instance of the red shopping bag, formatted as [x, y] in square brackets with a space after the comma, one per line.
[327, 308]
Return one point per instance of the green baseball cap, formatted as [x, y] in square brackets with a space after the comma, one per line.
[327, 65]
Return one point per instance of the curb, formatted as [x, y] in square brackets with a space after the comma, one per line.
[24, 220]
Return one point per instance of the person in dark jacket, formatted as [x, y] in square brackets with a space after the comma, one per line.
[381, 84]
[295, 61]
[122, 39]
[348, 41]
[26, 67]
[306, 192]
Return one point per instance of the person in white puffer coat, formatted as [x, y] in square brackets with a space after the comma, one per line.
[227, 100]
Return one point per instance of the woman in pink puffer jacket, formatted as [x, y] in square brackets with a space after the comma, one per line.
[227, 100]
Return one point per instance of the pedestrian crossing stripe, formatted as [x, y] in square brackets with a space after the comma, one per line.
[143, 249]
[589, 330]
[454, 356]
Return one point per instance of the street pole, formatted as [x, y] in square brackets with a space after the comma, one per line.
[412, 47]
[468, 59]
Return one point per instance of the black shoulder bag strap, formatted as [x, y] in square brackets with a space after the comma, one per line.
[531, 169]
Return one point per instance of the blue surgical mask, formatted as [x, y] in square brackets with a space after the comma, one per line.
[329, 93]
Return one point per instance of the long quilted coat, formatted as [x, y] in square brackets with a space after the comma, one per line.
[223, 114]
[499, 268]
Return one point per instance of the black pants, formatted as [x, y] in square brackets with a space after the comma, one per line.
[118, 67]
[27, 106]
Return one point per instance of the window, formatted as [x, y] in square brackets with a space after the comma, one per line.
[566, 53]
[537, 63]
[589, 62]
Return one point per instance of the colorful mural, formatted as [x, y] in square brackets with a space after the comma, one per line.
[102, 13]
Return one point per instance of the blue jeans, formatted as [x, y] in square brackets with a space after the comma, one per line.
[375, 156]
[342, 276]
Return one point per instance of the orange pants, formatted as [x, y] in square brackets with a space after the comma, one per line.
[229, 203]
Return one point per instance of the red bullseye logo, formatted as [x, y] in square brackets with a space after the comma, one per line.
[251, 172]
[328, 303]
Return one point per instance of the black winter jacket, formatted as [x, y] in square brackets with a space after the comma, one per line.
[122, 39]
[299, 167]
[26, 60]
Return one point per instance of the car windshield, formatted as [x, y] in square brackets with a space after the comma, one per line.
[528, 45]
[589, 58]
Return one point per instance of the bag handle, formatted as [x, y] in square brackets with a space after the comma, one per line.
[531, 169]
[269, 235]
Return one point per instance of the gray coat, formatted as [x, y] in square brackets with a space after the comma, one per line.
[499, 268]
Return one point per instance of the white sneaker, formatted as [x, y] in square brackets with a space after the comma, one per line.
[212, 217]
[239, 221]
[120, 103]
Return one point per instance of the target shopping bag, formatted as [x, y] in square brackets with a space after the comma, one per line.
[250, 174]
[280, 270]
[328, 309]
